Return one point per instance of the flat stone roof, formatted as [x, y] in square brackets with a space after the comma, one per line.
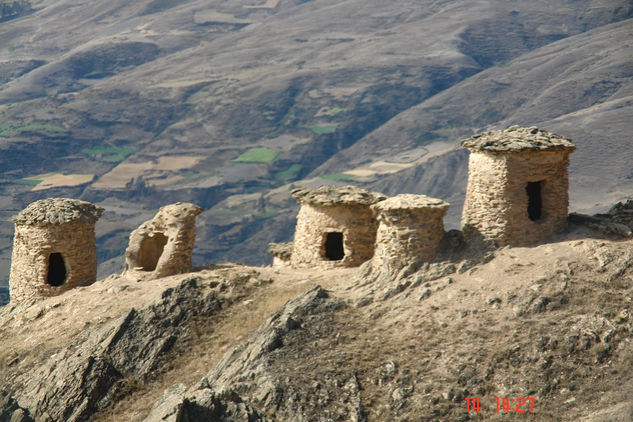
[58, 211]
[409, 201]
[336, 195]
[518, 139]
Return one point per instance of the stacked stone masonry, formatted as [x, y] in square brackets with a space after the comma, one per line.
[281, 252]
[410, 227]
[335, 227]
[517, 185]
[163, 246]
[54, 248]
[517, 194]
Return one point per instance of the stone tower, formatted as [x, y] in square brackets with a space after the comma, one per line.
[517, 185]
[281, 252]
[54, 248]
[335, 227]
[163, 246]
[410, 227]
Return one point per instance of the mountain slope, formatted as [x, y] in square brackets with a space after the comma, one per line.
[587, 75]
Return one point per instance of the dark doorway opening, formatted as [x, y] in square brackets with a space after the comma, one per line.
[56, 275]
[535, 202]
[334, 246]
[150, 251]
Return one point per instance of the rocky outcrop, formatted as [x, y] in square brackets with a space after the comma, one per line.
[617, 221]
[204, 405]
[79, 380]
[163, 245]
[10, 410]
[261, 371]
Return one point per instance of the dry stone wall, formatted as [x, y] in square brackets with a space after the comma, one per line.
[53, 226]
[549, 168]
[486, 205]
[163, 246]
[410, 227]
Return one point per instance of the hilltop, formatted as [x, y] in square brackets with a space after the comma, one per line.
[550, 322]
[232, 104]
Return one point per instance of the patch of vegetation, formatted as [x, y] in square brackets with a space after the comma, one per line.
[10, 128]
[28, 182]
[323, 129]
[257, 155]
[338, 176]
[290, 173]
[33, 180]
[110, 150]
[334, 111]
[110, 154]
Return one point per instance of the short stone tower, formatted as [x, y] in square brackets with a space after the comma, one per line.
[54, 248]
[335, 227]
[281, 252]
[163, 246]
[410, 227]
[517, 185]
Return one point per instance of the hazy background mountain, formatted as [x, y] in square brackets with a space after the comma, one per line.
[230, 104]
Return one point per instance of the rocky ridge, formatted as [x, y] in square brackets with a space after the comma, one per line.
[550, 321]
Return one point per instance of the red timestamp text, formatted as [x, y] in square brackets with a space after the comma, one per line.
[504, 404]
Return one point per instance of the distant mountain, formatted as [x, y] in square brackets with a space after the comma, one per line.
[230, 103]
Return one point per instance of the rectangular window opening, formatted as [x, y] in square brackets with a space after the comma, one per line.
[56, 274]
[333, 246]
[535, 200]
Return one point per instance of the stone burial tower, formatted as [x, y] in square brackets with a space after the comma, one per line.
[335, 227]
[410, 227]
[163, 246]
[54, 248]
[517, 185]
[281, 252]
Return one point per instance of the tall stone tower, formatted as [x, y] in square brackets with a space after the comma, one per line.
[335, 227]
[54, 248]
[517, 185]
